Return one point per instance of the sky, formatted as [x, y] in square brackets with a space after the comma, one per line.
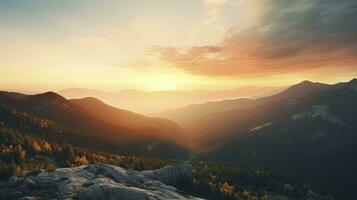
[112, 45]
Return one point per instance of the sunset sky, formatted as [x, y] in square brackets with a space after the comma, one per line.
[175, 44]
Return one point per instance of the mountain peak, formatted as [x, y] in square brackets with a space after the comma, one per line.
[302, 89]
[89, 100]
[352, 84]
[49, 95]
[47, 98]
[353, 81]
[307, 83]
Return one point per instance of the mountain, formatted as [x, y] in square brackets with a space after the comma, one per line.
[26, 153]
[160, 127]
[188, 117]
[305, 131]
[308, 134]
[87, 122]
[298, 90]
[149, 102]
[191, 112]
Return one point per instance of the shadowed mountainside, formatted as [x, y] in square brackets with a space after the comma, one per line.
[186, 115]
[312, 135]
[126, 133]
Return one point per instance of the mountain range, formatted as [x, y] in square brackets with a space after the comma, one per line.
[149, 102]
[307, 130]
[191, 112]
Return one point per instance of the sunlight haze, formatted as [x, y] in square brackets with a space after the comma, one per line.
[151, 45]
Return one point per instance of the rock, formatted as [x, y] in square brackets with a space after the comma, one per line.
[113, 191]
[16, 194]
[29, 198]
[169, 173]
[97, 181]
[34, 172]
[29, 183]
[71, 187]
[13, 180]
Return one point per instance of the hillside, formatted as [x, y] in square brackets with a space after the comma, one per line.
[186, 115]
[160, 127]
[80, 124]
[299, 132]
[74, 172]
[311, 136]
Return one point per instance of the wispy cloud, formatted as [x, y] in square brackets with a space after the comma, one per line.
[214, 14]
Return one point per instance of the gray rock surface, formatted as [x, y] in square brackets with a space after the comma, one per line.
[97, 181]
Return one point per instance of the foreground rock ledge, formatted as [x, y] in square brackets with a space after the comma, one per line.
[97, 181]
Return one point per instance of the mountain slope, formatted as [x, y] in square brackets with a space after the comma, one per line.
[160, 127]
[301, 89]
[311, 136]
[79, 122]
[185, 115]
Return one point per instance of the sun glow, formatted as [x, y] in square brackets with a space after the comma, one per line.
[162, 86]
[152, 46]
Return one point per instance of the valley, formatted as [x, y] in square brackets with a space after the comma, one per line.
[304, 131]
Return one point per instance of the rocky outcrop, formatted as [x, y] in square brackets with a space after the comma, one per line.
[97, 181]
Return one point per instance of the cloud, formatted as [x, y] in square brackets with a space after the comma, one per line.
[214, 14]
[290, 35]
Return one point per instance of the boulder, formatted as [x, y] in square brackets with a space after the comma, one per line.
[97, 181]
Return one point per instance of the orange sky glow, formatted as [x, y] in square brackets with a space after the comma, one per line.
[173, 45]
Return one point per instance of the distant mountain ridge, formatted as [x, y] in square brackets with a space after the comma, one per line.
[151, 102]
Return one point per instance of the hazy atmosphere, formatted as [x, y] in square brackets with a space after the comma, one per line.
[178, 99]
[174, 45]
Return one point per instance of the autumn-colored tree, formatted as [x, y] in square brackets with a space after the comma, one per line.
[47, 149]
[19, 154]
[36, 147]
[82, 160]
